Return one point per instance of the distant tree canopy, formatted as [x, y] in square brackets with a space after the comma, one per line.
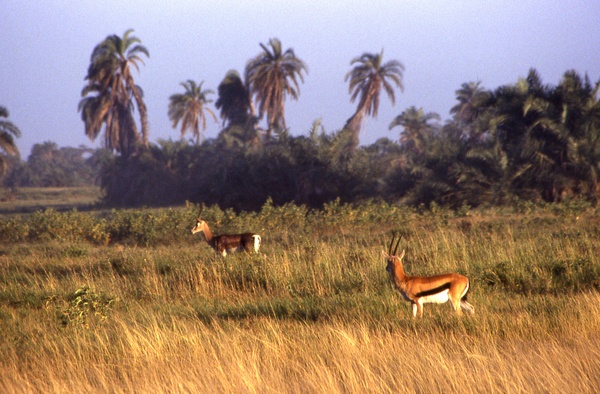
[51, 166]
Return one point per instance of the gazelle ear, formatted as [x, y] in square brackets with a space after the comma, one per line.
[384, 254]
[401, 255]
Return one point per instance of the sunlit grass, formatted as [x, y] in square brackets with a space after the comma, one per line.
[314, 312]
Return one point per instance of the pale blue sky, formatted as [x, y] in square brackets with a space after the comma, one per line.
[45, 48]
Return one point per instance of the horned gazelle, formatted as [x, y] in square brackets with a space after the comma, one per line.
[419, 290]
[227, 243]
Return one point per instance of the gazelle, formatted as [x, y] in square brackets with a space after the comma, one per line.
[419, 290]
[227, 243]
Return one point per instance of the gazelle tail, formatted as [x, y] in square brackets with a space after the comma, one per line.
[257, 240]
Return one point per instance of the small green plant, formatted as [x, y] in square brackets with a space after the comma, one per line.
[571, 207]
[84, 306]
[75, 251]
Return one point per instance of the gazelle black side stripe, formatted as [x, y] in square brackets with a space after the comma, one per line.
[437, 290]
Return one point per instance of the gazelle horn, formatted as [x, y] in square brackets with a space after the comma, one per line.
[397, 244]
[391, 243]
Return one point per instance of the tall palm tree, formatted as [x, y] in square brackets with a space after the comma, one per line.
[234, 100]
[237, 112]
[190, 108]
[416, 127]
[7, 143]
[271, 76]
[110, 91]
[368, 77]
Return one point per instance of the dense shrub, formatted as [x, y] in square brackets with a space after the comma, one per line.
[51, 166]
[53, 225]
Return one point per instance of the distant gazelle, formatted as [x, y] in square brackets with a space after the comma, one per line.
[419, 290]
[227, 243]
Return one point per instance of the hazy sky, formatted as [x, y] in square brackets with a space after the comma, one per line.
[45, 48]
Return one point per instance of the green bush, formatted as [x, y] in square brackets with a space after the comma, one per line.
[40, 226]
[84, 306]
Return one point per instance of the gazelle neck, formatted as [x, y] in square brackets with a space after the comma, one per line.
[398, 271]
[208, 235]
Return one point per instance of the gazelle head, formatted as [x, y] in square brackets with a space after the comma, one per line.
[393, 260]
[200, 224]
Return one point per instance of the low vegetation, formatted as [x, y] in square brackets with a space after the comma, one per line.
[32, 199]
[130, 301]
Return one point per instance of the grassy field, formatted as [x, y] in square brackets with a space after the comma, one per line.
[134, 303]
[31, 199]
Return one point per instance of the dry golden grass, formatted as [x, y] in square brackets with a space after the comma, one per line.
[157, 353]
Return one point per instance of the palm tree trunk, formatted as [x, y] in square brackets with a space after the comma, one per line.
[353, 125]
[129, 138]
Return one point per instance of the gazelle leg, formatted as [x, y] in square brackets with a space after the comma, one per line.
[418, 308]
[456, 306]
[467, 307]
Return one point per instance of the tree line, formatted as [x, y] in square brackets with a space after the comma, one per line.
[526, 140]
[49, 165]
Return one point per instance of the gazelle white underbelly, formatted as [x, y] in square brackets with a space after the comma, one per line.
[235, 249]
[438, 298]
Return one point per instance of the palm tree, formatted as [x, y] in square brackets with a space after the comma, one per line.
[234, 100]
[472, 102]
[190, 108]
[564, 133]
[470, 97]
[7, 143]
[271, 76]
[526, 121]
[237, 112]
[416, 127]
[110, 91]
[584, 153]
[368, 77]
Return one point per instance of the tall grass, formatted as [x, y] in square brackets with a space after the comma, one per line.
[147, 307]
